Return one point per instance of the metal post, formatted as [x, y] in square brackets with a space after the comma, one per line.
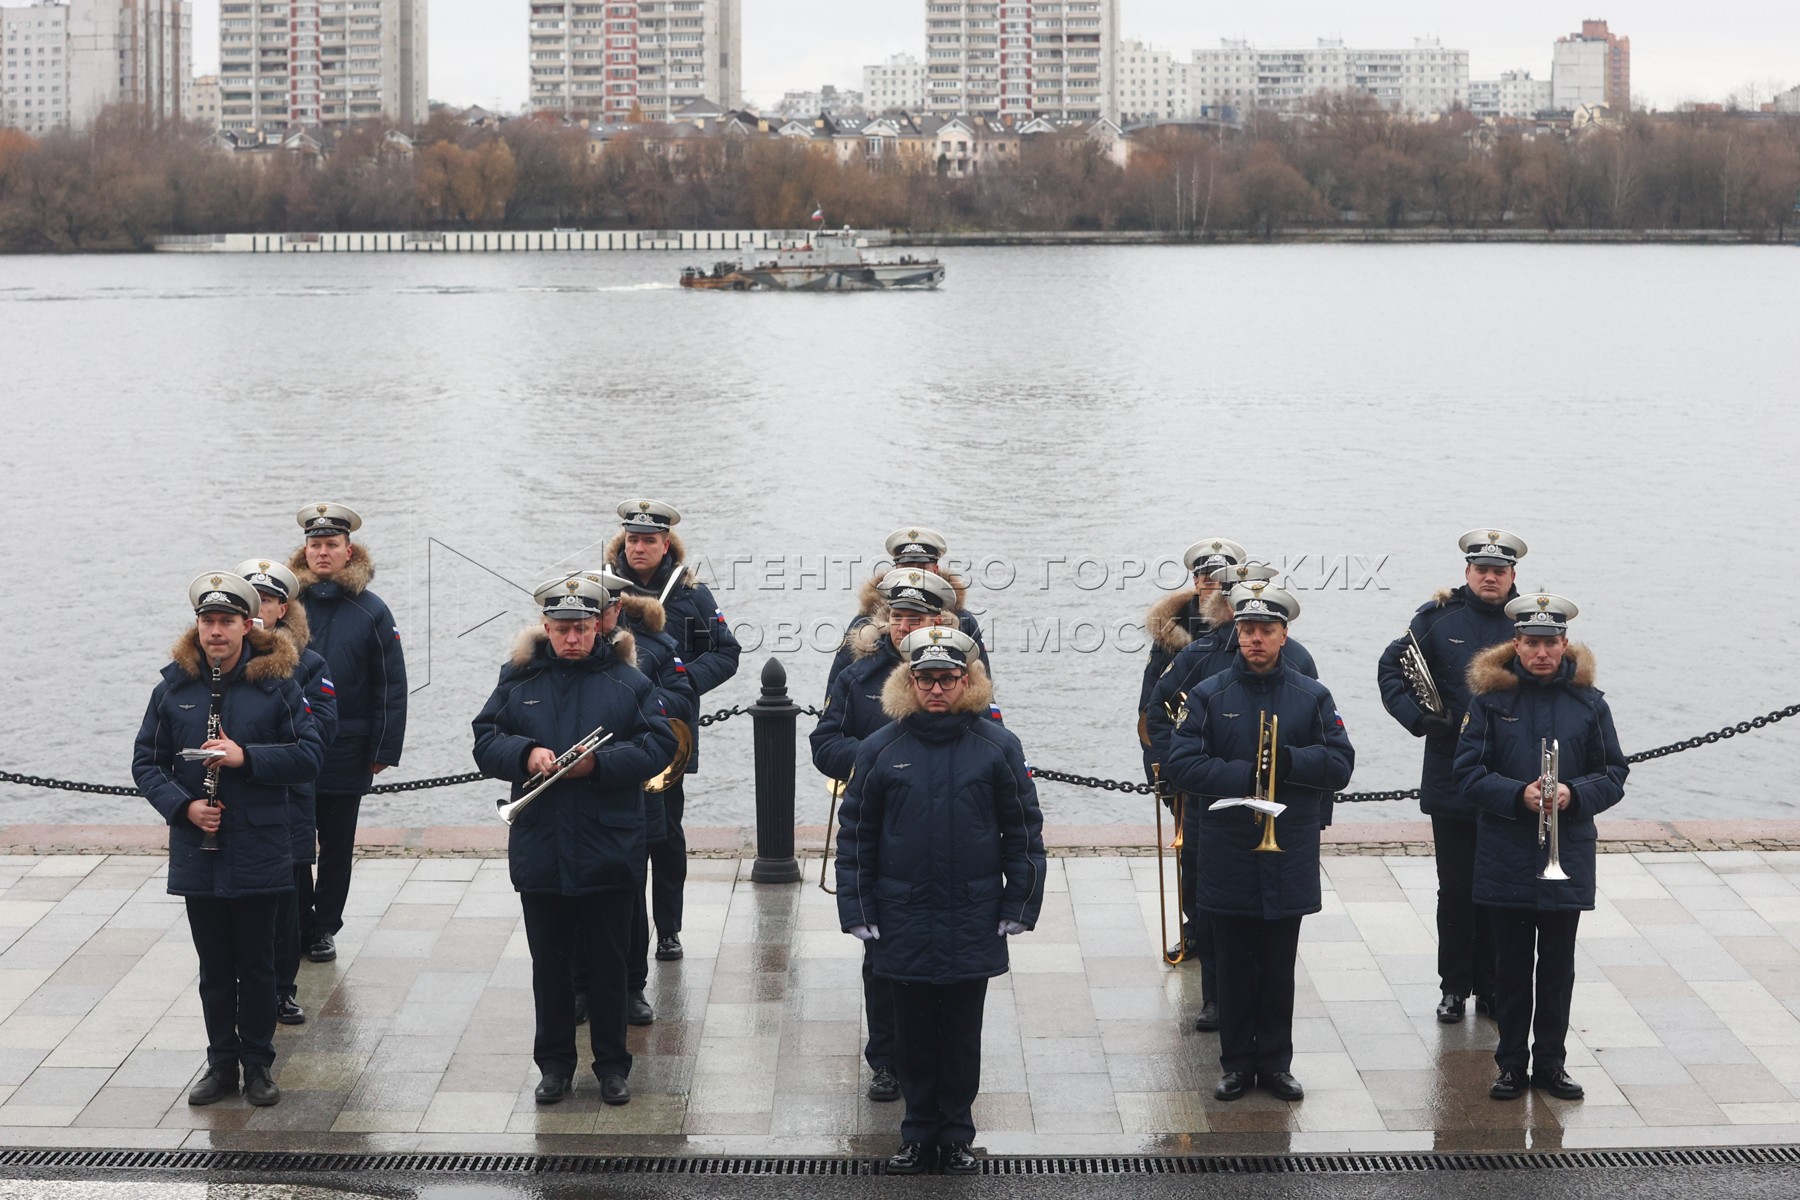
[775, 717]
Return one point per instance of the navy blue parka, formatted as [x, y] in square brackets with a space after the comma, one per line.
[1511, 713]
[1213, 757]
[940, 838]
[264, 711]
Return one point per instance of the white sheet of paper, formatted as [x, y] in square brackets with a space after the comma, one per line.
[1251, 802]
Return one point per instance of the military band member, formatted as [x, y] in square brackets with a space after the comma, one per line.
[940, 860]
[1256, 900]
[276, 586]
[576, 852]
[267, 744]
[634, 626]
[924, 549]
[649, 553]
[355, 633]
[913, 599]
[1451, 629]
[1181, 617]
[1210, 653]
[1535, 689]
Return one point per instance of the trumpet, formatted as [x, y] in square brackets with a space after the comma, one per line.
[684, 750]
[1549, 822]
[565, 762]
[1177, 809]
[1418, 677]
[1267, 729]
[826, 857]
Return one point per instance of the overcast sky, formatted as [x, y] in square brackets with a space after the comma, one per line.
[1681, 50]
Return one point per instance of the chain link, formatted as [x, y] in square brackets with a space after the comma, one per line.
[1086, 781]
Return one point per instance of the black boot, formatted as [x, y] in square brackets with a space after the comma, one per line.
[1451, 1009]
[1208, 1020]
[638, 1010]
[289, 1012]
[552, 1088]
[668, 948]
[885, 1087]
[614, 1089]
[259, 1088]
[220, 1081]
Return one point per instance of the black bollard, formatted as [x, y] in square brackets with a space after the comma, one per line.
[775, 718]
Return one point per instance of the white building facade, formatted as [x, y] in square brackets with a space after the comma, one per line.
[1514, 95]
[1017, 59]
[897, 85]
[1152, 84]
[66, 62]
[623, 58]
[1422, 81]
[322, 63]
[1578, 74]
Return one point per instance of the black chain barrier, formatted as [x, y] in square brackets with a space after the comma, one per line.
[1086, 781]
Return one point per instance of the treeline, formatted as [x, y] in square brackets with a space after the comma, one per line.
[121, 184]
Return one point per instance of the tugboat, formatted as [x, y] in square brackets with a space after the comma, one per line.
[820, 261]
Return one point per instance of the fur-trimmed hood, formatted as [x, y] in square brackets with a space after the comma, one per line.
[354, 578]
[276, 657]
[869, 599]
[1442, 596]
[525, 646]
[865, 640]
[295, 625]
[615, 554]
[899, 699]
[1167, 618]
[645, 611]
[1491, 670]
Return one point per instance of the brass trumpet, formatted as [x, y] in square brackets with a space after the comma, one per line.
[565, 762]
[826, 857]
[1267, 729]
[1178, 809]
[684, 750]
[1549, 821]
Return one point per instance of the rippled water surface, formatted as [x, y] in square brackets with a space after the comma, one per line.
[1065, 416]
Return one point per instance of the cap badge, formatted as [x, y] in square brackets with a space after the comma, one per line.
[643, 506]
[216, 581]
[936, 635]
[262, 566]
[320, 508]
[915, 578]
[574, 585]
[1493, 535]
[912, 534]
[1543, 602]
[215, 598]
[1542, 618]
[1256, 606]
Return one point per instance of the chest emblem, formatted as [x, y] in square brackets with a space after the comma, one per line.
[529, 703]
[1457, 641]
[1510, 720]
[186, 707]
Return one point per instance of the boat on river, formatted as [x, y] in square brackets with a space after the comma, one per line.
[820, 261]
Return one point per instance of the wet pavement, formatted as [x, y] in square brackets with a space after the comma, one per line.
[1685, 1026]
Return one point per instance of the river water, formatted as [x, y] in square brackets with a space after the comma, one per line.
[1070, 418]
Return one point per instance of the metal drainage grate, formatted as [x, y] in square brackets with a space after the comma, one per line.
[259, 1162]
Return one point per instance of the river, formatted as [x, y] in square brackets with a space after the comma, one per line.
[1070, 418]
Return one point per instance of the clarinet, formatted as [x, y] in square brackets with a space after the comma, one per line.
[210, 789]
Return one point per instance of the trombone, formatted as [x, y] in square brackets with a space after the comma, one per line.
[1549, 821]
[1266, 732]
[1177, 809]
[565, 762]
[826, 857]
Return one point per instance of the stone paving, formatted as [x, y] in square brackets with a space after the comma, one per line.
[1685, 1026]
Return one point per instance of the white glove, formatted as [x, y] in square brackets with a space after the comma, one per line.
[1009, 928]
[865, 933]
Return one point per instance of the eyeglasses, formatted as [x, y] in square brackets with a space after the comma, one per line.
[937, 681]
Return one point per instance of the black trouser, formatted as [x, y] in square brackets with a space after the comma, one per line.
[1256, 992]
[1465, 935]
[937, 1043]
[668, 866]
[235, 940]
[637, 961]
[560, 930]
[1521, 934]
[878, 1004]
[337, 850]
[291, 936]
